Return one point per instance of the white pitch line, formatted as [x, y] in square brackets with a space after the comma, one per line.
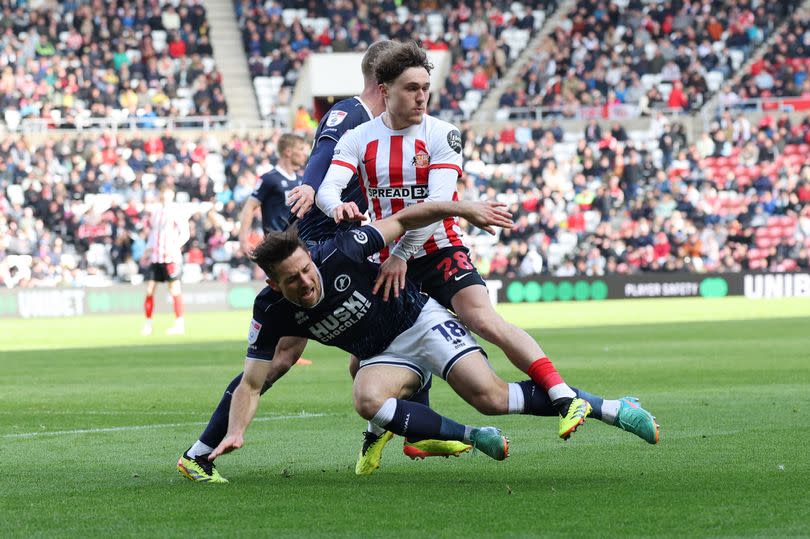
[147, 427]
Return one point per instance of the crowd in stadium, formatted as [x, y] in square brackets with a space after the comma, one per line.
[737, 198]
[783, 70]
[476, 36]
[67, 64]
[602, 201]
[669, 55]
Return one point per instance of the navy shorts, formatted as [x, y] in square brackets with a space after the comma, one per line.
[444, 273]
[163, 272]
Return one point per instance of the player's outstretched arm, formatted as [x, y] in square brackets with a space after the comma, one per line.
[246, 396]
[484, 215]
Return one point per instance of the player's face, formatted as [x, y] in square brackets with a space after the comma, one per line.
[406, 98]
[298, 155]
[297, 279]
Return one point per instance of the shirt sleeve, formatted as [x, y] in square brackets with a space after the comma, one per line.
[264, 187]
[444, 145]
[319, 162]
[345, 160]
[359, 243]
[262, 340]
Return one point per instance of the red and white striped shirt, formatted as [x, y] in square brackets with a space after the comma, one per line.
[168, 232]
[396, 169]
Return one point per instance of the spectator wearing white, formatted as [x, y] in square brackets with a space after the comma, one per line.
[532, 263]
[170, 19]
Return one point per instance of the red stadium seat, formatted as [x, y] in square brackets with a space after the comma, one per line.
[789, 265]
[763, 243]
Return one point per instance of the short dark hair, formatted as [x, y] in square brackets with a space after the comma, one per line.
[393, 62]
[276, 247]
[372, 55]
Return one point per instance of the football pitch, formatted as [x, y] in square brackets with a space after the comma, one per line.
[93, 418]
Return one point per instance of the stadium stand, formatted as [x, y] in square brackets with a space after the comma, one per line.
[482, 39]
[71, 209]
[80, 63]
[609, 197]
[632, 57]
[783, 70]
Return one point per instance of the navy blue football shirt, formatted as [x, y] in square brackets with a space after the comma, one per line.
[271, 192]
[348, 315]
[315, 226]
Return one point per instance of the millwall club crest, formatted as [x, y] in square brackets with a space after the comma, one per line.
[421, 160]
[336, 117]
[342, 282]
[253, 332]
[360, 236]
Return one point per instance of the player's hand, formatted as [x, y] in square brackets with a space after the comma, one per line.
[487, 215]
[244, 245]
[301, 200]
[230, 443]
[348, 211]
[391, 277]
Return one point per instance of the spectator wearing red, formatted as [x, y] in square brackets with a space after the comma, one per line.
[177, 47]
[480, 81]
[677, 98]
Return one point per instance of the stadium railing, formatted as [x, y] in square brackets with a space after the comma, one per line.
[582, 112]
[767, 104]
[205, 123]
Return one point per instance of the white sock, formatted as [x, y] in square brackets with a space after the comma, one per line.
[179, 321]
[561, 391]
[374, 429]
[198, 449]
[386, 413]
[610, 409]
[516, 401]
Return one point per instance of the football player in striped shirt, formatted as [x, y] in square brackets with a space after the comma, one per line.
[168, 232]
[404, 157]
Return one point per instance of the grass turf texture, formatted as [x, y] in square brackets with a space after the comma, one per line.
[728, 379]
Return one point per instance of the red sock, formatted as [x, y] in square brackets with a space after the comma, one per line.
[543, 373]
[148, 306]
[178, 306]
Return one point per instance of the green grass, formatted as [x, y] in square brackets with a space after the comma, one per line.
[728, 379]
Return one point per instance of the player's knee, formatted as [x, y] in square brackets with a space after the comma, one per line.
[478, 322]
[368, 404]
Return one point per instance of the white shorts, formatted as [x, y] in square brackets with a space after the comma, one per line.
[434, 344]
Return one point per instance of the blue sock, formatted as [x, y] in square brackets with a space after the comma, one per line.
[217, 426]
[415, 420]
[537, 402]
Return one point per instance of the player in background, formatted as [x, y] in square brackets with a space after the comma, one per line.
[314, 227]
[404, 157]
[273, 188]
[168, 232]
